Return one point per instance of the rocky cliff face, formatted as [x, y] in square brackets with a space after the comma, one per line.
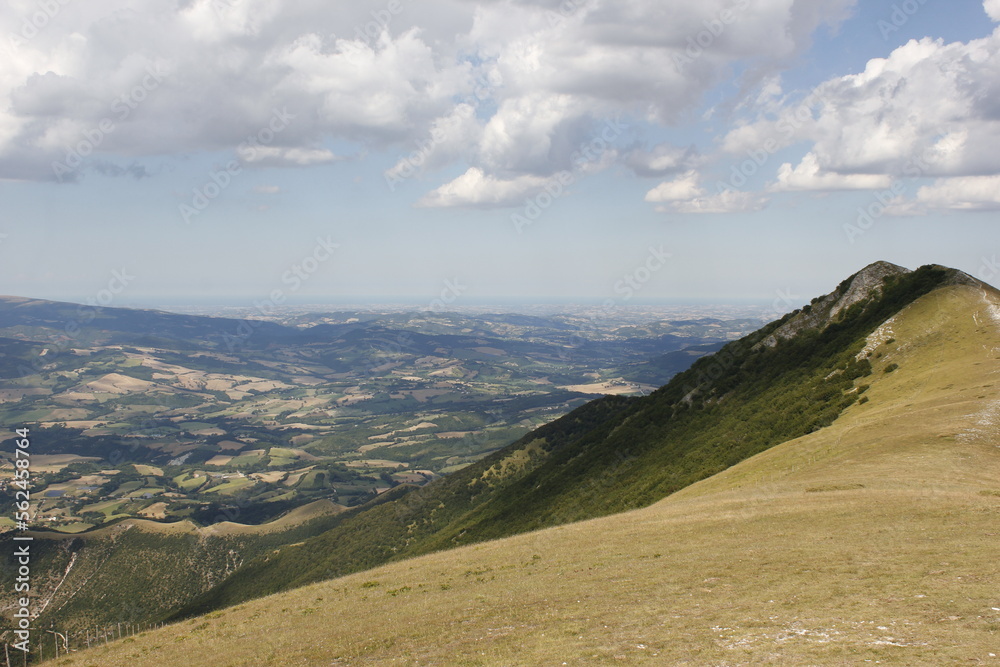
[864, 284]
[867, 283]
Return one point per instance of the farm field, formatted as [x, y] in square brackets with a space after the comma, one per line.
[201, 421]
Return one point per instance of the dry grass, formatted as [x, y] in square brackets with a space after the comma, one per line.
[116, 383]
[876, 540]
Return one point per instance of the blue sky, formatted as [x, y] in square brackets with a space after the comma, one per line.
[218, 150]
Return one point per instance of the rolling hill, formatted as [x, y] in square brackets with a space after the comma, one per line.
[870, 538]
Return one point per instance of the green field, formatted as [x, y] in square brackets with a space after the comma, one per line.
[188, 482]
[245, 460]
[282, 453]
[108, 507]
[232, 486]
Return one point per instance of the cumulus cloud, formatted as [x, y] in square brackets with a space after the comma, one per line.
[929, 109]
[562, 70]
[971, 193]
[681, 188]
[540, 79]
[992, 8]
[361, 90]
[808, 175]
[450, 138]
[106, 79]
[479, 190]
[684, 194]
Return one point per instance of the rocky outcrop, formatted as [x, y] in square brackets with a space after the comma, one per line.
[862, 285]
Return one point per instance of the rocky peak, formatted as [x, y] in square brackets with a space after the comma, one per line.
[867, 282]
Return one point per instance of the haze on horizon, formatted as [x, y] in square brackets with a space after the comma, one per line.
[645, 151]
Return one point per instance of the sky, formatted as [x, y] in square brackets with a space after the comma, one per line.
[462, 151]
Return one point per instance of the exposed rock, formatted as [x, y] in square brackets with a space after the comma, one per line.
[862, 285]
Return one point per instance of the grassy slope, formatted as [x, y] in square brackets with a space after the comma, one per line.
[607, 456]
[873, 539]
[135, 570]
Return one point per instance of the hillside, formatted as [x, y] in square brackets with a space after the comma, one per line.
[616, 454]
[131, 571]
[873, 539]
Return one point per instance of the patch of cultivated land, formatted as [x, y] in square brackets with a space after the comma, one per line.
[114, 383]
[180, 406]
[614, 387]
[875, 540]
[154, 511]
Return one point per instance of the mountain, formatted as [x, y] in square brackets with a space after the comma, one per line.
[869, 537]
[616, 453]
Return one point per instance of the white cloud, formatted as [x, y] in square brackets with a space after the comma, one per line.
[970, 193]
[224, 68]
[685, 195]
[929, 109]
[899, 206]
[452, 137]
[390, 88]
[479, 190]
[808, 175]
[992, 8]
[525, 132]
[728, 201]
[682, 188]
[540, 77]
[211, 20]
[620, 58]
[267, 189]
